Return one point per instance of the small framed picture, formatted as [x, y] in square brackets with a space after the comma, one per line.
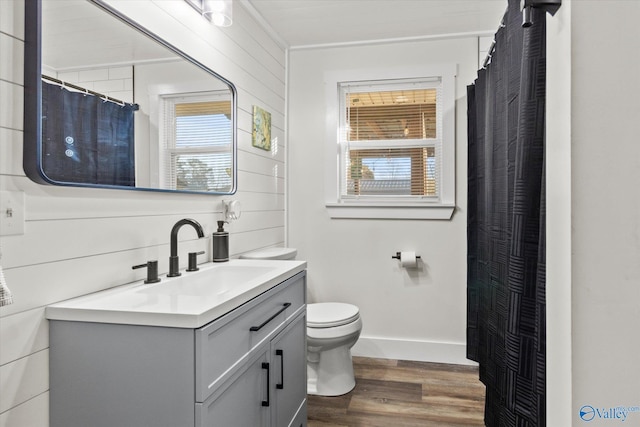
[261, 135]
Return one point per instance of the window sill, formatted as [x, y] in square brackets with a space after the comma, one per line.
[396, 211]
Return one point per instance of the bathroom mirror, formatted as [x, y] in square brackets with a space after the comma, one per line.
[108, 104]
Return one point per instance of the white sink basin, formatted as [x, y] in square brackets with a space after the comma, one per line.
[218, 280]
[188, 301]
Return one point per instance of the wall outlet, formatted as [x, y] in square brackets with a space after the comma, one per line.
[11, 213]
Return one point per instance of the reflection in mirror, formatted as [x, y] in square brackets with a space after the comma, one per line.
[108, 104]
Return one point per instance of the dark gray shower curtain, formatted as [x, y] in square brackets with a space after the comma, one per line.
[86, 139]
[506, 224]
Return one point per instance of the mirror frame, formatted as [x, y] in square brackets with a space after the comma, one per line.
[32, 145]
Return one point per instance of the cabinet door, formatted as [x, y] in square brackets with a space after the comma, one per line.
[245, 400]
[225, 341]
[289, 373]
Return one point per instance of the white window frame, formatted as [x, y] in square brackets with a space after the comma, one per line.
[441, 207]
[167, 131]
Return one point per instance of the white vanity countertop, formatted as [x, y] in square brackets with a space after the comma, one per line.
[189, 301]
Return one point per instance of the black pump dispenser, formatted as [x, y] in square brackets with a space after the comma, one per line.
[220, 244]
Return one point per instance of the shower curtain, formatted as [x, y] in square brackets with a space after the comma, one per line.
[86, 139]
[506, 224]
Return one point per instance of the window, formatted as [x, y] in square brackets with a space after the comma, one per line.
[390, 140]
[394, 154]
[198, 141]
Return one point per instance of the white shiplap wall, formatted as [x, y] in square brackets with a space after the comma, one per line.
[78, 241]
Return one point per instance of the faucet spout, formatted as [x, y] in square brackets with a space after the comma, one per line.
[174, 269]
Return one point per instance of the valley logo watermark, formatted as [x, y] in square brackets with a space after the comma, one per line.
[614, 413]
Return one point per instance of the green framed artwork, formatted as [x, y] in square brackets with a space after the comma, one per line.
[261, 135]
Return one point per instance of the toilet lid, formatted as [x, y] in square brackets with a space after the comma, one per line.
[271, 253]
[330, 314]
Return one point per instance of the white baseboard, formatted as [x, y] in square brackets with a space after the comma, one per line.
[422, 351]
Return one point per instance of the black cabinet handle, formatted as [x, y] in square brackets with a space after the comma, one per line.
[257, 328]
[265, 365]
[281, 354]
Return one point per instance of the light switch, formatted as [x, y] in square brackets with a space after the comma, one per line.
[11, 213]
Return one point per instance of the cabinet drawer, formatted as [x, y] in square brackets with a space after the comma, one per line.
[224, 345]
[239, 402]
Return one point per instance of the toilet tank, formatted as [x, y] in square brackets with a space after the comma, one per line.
[271, 253]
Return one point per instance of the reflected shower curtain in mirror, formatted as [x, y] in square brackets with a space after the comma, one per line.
[506, 224]
[86, 139]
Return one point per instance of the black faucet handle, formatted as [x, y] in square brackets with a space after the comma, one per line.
[152, 271]
[193, 261]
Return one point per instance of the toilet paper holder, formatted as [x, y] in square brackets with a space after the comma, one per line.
[399, 257]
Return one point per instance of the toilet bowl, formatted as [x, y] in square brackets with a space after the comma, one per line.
[332, 329]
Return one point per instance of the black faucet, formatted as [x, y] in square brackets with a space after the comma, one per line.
[174, 269]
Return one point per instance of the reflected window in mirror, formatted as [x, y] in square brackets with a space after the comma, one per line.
[197, 142]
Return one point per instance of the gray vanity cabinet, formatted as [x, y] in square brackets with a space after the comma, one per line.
[244, 369]
[267, 390]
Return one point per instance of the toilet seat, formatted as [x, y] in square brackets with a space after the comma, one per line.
[331, 314]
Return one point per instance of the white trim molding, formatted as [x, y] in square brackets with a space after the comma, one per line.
[369, 211]
[421, 351]
[442, 208]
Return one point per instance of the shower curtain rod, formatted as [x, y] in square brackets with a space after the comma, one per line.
[87, 91]
[550, 6]
[492, 47]
[487, 59]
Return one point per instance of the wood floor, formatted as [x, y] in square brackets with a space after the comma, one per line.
[392, 393]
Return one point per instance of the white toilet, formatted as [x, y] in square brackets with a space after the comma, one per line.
[332, 329]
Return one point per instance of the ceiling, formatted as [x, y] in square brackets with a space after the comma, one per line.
[77, 34]
[320, 22]
[298, 23]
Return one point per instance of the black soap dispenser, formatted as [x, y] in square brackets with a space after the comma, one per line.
[220, 244]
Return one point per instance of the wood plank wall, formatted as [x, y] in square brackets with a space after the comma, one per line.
[79, 241]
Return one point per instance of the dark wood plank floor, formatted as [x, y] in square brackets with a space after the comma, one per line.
[392, 393]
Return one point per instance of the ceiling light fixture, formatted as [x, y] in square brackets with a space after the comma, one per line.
[220, 11]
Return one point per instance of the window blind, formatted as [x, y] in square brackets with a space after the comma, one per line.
[198, 145]
[391, 139]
